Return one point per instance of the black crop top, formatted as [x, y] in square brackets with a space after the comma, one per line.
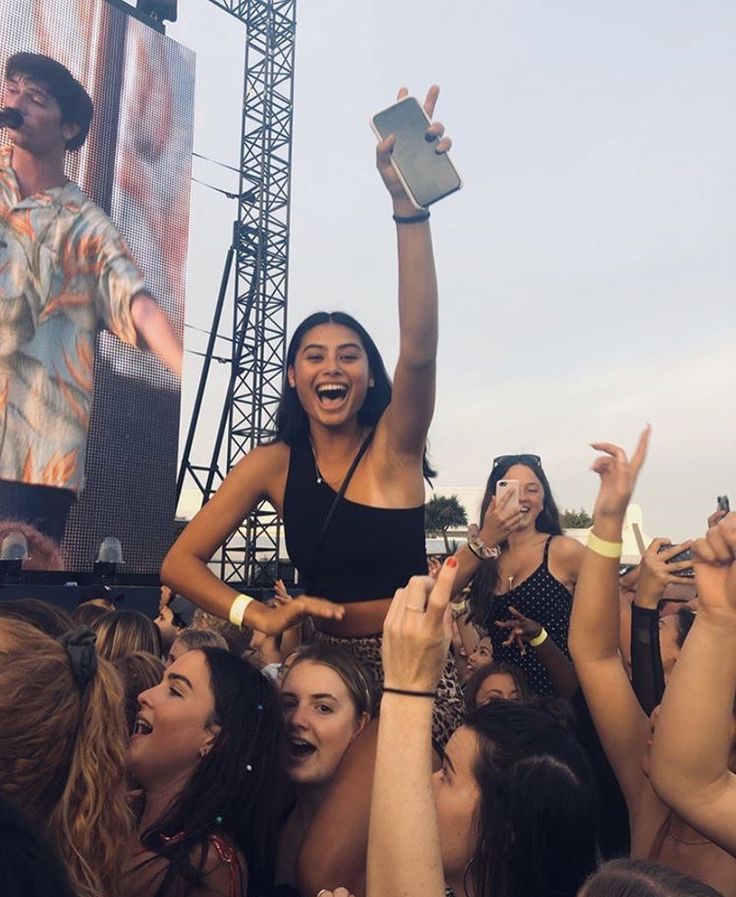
[367, 552]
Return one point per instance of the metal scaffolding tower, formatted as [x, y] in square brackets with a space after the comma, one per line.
[261, 248]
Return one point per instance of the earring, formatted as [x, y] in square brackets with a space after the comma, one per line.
[203, 751]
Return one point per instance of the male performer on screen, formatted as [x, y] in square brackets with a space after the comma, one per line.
[64, 272]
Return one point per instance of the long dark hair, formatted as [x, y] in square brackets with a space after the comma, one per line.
[292, 423]
[233, 788]
[537, 815]
[490, 669]
[485, 581]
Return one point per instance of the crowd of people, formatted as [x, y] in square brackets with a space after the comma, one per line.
[520, 719]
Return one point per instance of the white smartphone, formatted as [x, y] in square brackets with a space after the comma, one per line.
[504, 486]
[426, 175]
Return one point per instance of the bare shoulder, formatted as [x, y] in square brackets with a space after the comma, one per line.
[566, 556]
[262, 470]
[565, 547]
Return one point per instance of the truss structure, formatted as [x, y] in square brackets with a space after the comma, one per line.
[261, 246]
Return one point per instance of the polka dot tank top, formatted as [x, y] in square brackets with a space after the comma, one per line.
[540, 597]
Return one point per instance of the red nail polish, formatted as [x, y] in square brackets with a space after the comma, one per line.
[451, 562]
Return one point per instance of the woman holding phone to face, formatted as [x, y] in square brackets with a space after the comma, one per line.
[524, 573]
[339, 411]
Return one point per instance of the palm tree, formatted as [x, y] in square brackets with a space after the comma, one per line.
[444, 512]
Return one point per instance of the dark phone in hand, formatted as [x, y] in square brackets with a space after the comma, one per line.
[686, 555]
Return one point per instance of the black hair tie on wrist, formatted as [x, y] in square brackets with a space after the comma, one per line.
[79, 645]
[407, 691]
[421, 215]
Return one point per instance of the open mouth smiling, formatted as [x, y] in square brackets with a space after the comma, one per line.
[142, 726]
[331, 393]
[299, 749]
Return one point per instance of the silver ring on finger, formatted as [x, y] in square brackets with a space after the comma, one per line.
[411, 607]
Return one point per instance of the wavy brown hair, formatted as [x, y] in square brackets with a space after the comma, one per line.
[121, 632]
[62, 755]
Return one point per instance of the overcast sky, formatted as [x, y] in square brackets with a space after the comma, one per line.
[587, 268]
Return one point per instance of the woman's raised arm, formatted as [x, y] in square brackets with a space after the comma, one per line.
[406, 422]
[594, 626]
[694, 738]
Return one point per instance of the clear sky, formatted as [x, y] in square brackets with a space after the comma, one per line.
[587, 268]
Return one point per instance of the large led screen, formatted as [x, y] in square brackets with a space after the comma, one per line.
[89, 413]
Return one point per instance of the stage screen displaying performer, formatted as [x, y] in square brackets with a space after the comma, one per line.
[96, 130]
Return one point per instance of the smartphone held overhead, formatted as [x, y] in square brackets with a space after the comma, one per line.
[425, 174]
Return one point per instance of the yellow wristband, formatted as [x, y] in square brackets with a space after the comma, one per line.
[238, 609]
[538, 639]
[604, 548]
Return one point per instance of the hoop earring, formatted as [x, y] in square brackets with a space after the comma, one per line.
[466, 870]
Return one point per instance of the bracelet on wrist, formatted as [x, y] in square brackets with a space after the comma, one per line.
[238, 608]
[539, 638]
[407, 691]
[479, 548]
[603, 547]
[421, 215]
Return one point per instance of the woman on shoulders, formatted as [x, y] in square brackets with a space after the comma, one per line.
[346, 470]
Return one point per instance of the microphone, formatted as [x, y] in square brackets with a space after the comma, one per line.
[10, 118]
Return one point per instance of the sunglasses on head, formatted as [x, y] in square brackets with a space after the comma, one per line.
[531, 460]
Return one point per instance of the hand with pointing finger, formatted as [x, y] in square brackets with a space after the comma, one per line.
[418, 630]
[618, 476]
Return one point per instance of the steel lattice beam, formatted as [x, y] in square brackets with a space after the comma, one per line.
[261, 242]
[262, 262]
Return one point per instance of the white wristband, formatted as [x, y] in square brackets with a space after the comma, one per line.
[238, 609]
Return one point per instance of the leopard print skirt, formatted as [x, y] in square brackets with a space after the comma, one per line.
[449, 705]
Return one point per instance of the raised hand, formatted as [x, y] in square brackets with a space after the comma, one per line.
[433, 566]
[657, 571]
[716, 517]
[418, 630]
[501, 518]
[715, 569]
[618, 476]
[435, 131]
[520, 629]
[281, 593]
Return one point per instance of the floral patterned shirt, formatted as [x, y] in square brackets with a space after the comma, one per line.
[64, 272]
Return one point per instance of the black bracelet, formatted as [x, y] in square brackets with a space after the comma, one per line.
[406, 691]
[422, 215]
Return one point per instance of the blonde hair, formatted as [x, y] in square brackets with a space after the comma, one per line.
[121, 632]
[62, 755]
